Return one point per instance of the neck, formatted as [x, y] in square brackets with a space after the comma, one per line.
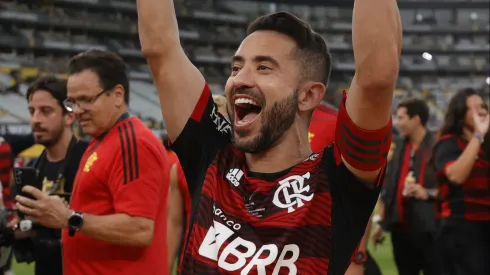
[114, 119]
[417, 137]
[290, 150]
[118, 115]
[57, 151]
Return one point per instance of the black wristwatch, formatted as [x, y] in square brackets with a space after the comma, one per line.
[360, 258]
[75, 222]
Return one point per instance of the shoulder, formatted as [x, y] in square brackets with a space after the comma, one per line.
[448, 142]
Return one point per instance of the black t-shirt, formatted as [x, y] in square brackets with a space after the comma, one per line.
[47, 243]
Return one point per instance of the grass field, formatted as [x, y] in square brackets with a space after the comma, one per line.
[382, 255]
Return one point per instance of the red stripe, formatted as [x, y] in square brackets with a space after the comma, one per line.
[422, 169]
[201, 104]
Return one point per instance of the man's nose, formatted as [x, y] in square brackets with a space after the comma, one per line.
[244, 78]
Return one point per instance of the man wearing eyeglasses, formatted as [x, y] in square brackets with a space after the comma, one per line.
[116, 221]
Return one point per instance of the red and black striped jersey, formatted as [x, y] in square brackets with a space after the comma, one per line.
[471, 199]
[307, 219]
[6, 162]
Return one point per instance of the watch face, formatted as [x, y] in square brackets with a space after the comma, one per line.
[360, 256]
[76, 220]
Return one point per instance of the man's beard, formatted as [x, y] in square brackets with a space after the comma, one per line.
[274, 123]
[54, 137]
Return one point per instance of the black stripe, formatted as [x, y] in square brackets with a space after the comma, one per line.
[360, 140]
[123, 150]
[130, 157]
[357, 158]
[135, 149]
[358, 149]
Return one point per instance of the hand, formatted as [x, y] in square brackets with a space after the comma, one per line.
[378, 235]
[14, 221]
[481, 122]
[355, 269]
[49, 211]
[417, 191]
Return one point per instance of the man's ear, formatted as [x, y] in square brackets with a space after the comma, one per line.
[310, 95]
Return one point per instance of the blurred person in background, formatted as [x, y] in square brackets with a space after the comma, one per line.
[57, 165]
[179, 205]
[117, 217]
[407, 206]
[10, 146]
[463, 171]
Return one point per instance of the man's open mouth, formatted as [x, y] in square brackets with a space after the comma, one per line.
[246, 110]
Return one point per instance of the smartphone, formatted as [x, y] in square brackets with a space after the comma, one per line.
[24, 176]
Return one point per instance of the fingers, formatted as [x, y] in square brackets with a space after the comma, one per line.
[26, 201]
[26, 210]
[36, 193]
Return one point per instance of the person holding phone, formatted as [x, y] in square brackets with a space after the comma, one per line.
[117, 217]
[55, 169]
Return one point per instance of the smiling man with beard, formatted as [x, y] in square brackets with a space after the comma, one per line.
[262, 201]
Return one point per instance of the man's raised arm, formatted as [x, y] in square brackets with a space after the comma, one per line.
[178, 82]
[377, 42]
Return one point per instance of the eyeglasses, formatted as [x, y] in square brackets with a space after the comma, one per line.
[84, 103]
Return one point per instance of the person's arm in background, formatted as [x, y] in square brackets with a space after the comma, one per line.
[456, 164]
[136, 202]
[175, 218]
[378, 218]
[358, 269]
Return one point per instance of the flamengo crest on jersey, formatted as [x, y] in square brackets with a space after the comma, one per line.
[234, 176]
[293, 189]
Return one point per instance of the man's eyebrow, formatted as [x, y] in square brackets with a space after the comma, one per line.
[256, 59]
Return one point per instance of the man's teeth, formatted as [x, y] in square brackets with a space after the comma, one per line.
[246, 100]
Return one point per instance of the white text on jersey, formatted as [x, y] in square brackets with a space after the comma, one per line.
[242, 250]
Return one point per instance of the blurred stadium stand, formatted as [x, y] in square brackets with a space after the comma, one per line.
[446, 45]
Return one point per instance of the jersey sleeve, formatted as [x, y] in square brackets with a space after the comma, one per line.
[204, 134]
[139, 177]
[446, 152]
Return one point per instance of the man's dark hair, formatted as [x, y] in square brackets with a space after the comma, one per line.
[416, 107]
[311, 52]
[56, 87]
[109, 67]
